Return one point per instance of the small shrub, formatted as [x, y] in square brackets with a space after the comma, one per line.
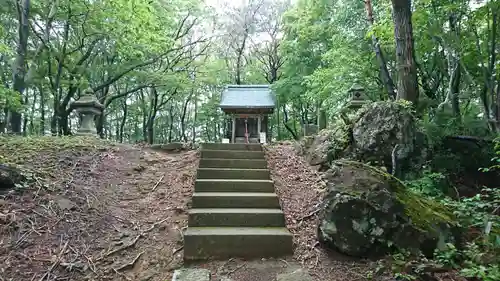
[431, 184]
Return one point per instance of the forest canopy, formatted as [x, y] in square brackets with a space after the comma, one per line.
[159, 68]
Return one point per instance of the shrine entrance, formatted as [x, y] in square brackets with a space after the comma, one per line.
[247, 109]
[248, 128]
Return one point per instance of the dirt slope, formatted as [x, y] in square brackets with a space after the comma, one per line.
[92, 210]
[299, 188]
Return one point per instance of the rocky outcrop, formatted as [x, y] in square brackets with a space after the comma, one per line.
[381, 133]
[319, 150]
[386, 132]
[367, 212]
[10, 177]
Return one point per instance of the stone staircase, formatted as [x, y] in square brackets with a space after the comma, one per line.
[235, 212]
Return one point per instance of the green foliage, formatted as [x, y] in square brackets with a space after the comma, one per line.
[324, 55]
[476, 260]
[430, 184]
[496, 159]
[9, 99]
[476, 211]
[479, 258]
[478, 216]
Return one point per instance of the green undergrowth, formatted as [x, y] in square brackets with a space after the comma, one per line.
[478, 256]
[425, 213]
[17, 150]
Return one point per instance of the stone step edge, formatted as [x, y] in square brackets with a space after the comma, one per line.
[234, 194]
[237, 231]
[232, 169]
[234, 180]
[246, 151]
[234, 159]
[235, 211]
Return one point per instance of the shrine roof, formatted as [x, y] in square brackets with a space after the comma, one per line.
[247, 96]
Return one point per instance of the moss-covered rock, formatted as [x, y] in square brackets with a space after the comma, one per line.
[367, 211]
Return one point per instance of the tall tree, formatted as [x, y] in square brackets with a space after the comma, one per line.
[19, 67]
[385, 75]
[405, 53]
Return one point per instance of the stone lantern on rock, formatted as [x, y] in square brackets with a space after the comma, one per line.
[357, 96]
[356, 99]
[87, 106]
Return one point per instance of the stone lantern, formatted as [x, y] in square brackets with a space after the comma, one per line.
[357, 96]
[87, 106]
[356, 99]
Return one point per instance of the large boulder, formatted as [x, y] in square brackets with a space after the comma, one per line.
[319, 150]
[381, 133]
[387, 131]
[367, 212]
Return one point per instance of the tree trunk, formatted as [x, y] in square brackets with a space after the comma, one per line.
[278, 130]
[124, 119]
[42, 112]
[285, 122]
[195, 117]
[183, 117]
[455, 92]
[152, 115]
[384, 71]
[100, 121]
[145, 129]
[25, 119]
[53, 123]
[492, 63]
[32, 115]
[151, 131]
[171, 125]
[239, 59]
[64, 129]
[403, 34]
[144, 115]
[322, 119]
[497, 107]
[19, 67]
[457, 74]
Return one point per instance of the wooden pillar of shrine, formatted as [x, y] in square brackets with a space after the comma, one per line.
[233, 133]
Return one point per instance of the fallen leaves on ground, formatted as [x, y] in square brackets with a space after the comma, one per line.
[300, 189]
[97, 212]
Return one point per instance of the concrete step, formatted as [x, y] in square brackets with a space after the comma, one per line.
[235, 200]
[232, 154]
[236, 242]
[229, 173]
[233, 185]
[232, 146]
[236, 217]
[233, 163]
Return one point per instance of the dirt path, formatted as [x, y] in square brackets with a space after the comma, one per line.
[102, 213]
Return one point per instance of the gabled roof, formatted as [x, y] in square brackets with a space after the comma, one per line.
[247, 96]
